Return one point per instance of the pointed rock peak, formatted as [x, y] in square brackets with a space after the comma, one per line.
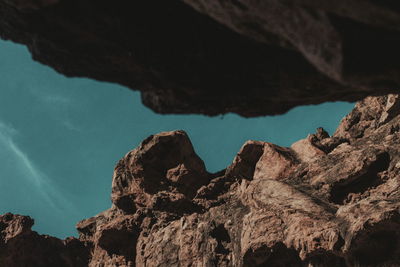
[244, 163]
[275, 162]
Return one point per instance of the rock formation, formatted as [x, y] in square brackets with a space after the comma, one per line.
[205, 56]
[325, 201]
[20, 246]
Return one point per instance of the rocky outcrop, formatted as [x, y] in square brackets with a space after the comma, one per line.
[211, 57]
[20, 246]
[325, 201]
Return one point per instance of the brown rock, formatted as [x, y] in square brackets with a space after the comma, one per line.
[306, 150]
[368, 115]
[327, 201]
[275, 163]
[301, 224]
[14, 225]
[146, 179]
[20, 246]
[244, 164]
[244, 56]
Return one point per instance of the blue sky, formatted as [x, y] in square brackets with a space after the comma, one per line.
[60, 138]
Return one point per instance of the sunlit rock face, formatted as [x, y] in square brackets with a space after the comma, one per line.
[211, 57]
[325, 201]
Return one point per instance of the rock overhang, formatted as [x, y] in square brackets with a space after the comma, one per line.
[197, 56]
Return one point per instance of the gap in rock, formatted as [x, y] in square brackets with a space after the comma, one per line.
[362, 183]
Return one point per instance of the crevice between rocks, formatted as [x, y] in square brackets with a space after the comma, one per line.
[278, 255]
[377, 244]
[361, 183]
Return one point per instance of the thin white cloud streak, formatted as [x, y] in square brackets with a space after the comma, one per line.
[34, 175]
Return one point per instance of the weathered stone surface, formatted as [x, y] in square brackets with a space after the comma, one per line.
[275, 163]
[369, 115]
[305, 150]
[243, 165]
[204, 56]
[113, 236]
[320, 30]
[281, 215]
[163, 172]
[272, 206]
[20, 246]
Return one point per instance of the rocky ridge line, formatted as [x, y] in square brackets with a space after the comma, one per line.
[325, 201]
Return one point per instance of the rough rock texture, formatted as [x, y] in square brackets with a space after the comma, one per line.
[211, 57]
[20, 246]
[326, 201]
